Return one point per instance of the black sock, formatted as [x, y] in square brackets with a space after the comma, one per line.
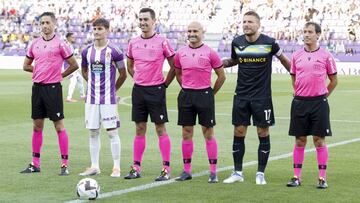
[238, 152]
[263, 152]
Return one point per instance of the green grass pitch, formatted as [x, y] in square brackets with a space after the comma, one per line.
[15, 150]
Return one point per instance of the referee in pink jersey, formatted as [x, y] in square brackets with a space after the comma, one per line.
[193, 66]
[145, 58]
[48, 52]
[310, 112]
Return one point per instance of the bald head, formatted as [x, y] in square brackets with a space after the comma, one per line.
[196, 25]
[195, 34]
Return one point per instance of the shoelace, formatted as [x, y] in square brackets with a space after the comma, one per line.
[236, 174]
[163, 172]
[133, 170]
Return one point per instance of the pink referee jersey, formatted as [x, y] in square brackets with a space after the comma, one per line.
[48, 56]
[149, 55]
[311, 70]
[196, 65]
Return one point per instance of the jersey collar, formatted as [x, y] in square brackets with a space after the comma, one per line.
[48, 39]
[148, 37]
[196, 47]
[312, 51]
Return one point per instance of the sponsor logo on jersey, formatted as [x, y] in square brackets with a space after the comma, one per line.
[97, 67]
[253, 50]
[252, 60]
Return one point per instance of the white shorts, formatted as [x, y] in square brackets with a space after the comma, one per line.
[105, 114]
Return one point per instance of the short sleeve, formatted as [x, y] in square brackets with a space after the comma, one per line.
[215, 60]
[129, 51]
[177, 61]
[65, 50]
[84, 62]
[168, 51]
[275, 49]
[293, 66]
[117, 54]
[29, 52]
[331, 65]
[233, 52]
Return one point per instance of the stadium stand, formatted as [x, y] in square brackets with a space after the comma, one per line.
[340, 21]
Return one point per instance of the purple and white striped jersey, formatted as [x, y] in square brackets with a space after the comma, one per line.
[102, 66]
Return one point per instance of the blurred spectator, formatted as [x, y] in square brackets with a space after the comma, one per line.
[282, 20]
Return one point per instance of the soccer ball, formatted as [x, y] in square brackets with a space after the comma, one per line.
[88, 189]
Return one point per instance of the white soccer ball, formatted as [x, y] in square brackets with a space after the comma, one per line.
[88, 189]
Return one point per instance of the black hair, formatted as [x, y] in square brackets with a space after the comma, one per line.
[316, 25]
[50, 14]
[252, 13]
[69, 34]
[151, 11]
[101, 22]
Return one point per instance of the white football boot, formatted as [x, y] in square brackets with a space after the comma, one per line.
[236, 176]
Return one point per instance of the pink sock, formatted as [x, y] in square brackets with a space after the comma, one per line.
[64, 146]
[187, 151]
[139, 148]
[165, 150]
[37, 140]
[211, 148]
[322, 158]
[298, 158]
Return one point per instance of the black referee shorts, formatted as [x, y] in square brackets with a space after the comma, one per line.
[196, 102]
[310, 116]
[261, 111]
[149, 100]
[47, 101]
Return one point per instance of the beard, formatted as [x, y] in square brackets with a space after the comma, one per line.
[250, 34]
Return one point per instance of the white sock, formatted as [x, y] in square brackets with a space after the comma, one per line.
[95, 146]
[80, 85]
[115, 147]
[71, 87]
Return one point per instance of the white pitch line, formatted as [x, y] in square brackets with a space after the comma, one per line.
[202, 173]
[123, 102]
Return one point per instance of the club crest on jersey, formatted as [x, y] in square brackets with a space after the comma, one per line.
[203, 61]
[108, 55]
[154, 53]
[51, 54]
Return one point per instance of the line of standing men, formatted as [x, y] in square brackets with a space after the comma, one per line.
[192, 65]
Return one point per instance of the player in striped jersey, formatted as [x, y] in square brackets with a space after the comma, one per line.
[100, 61]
